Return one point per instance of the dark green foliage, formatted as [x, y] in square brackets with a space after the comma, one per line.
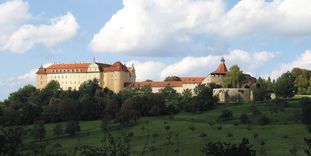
[203, 135]
[308, 142]
[228, 149]
[58, 129]
[302, 77]
[262, 89]
[89, 87]
[10, 140]
[226, 115]
[72, 127]
[172, 78]
[285, 85]
[234, 77]
[277, 105]
[263, 120]
[38, 130]
[204, 100]
[306, 110]
[244, 119]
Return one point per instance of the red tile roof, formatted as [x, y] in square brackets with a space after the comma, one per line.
[221, 69]
[187, 80]
[155, 84]
[81, 68]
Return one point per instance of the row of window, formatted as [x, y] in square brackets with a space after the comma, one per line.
[67, 71]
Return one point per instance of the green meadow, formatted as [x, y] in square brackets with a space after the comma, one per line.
[191, 131]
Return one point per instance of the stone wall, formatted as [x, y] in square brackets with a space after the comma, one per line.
[232, 95]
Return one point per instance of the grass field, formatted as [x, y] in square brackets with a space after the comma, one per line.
[281, 135]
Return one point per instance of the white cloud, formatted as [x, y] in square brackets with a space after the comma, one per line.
[147, 70]
[153, 27]
[282, 17]
[11, 84]
[12, 15]
[302, 61]
[146, 26]
[200, 66]
[59, 30]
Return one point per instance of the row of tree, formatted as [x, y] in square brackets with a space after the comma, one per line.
[91, 102]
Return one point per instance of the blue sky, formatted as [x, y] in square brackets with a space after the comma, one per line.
[161, 38]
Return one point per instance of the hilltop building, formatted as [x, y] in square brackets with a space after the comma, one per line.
[71, 76]
[117, 76]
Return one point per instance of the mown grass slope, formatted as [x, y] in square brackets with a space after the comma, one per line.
[284, 132]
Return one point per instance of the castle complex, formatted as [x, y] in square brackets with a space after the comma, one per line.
[117, 76]
[71, 76]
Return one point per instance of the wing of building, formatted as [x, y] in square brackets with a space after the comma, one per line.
[112, 76]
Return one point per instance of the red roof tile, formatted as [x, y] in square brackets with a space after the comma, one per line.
[188, 80]
[81, 68]
[221, 69]
[155, 84]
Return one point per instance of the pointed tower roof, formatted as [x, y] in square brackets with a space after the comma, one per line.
[41, 70]
[221, 69]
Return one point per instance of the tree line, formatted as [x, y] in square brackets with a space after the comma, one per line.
[91, 102]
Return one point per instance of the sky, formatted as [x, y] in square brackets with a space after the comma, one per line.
[161, 38]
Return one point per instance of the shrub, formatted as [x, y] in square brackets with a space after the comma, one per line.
[255, 135]
[228, 149]
[229, 135]
[219, 128]
[226, 115]
[192, 128]
[58, 129]
[202, 135]
[244, 119]
[264, 120]
[306, 110]
[38, 130]
[72, 127]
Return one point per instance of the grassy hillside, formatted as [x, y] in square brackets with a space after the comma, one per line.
[281, 135]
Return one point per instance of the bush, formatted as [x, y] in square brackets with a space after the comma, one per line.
[38, 130]
[306, 110]
[226, 115]
[264, 120]
[202, 135]
[229, 135]
[192, 128]
[58, 129]
[244, 119]
[228, 149]
[72, 127]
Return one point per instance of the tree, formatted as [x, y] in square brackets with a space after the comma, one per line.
[58, 129]
[10, 140]
[308, 142]
[204, 100]
[89, 87]
[38, 130]
[234, 77]
[261, 90]
[226, 149]
[301, 77]
[172, 78]
[72, 127]
[285, 86]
